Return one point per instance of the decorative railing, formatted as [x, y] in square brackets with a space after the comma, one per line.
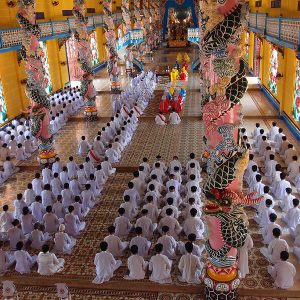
[133, 37]
[283, 31]
[138, 64]
[11, 38]
[194, 35]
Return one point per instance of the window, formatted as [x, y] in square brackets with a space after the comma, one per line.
[276, 4]
[273, 70]
[91, 10]
[258, 3]
[247, 41]
[298, 5]
[45, 63]
[3, 111]
[67, 13]
[296, 104]
[94, 48]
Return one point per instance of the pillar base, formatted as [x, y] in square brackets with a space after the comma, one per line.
[91, 117]
[211, 294]
[44, 158]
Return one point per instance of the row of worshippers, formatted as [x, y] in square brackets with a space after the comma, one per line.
[53, 206]
[275, 185]
[139, 90]
[174, 119]
[116, 135]
[63, 105]
[165, 200]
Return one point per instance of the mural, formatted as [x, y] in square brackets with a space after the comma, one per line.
[3, 111]
[45, 63]
[296, 105]
[273, 70]
[256, 56]
[247, 47]
[94, 48]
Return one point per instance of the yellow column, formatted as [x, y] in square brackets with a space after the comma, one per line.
[251, 51]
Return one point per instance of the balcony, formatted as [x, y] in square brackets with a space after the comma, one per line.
[133, 37]
[194, 35]
[11, 38]
[281, 31]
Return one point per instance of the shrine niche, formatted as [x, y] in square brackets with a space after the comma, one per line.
[179, 22]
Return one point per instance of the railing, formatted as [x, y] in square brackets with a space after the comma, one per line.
[133, 37]
[195, 64]
[11, 38]
[194, 35]
[283, 31]
[138, 64]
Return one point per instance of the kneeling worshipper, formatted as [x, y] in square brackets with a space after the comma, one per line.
[48, 263]
[6, 259]
[136, 264]
[115, 246]
[160, 119]
[160, 266]
[190, 266]
[243, 252]
[174, 118]
[105, 264]
[63, 242]
[24, 261]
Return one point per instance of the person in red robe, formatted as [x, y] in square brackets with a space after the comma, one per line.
[164, 105]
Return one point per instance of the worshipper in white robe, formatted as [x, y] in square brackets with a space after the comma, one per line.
[72, 168]
[20, 153]
[122, 224]
[140, 241]
[13, 145]
[197, 249]
[279, 189]
[292, 218]
[37, 237]
[136, 264]
[38, 209]
[170, 204]
[173, 182]
[263, 217]
[174, 118]
[293, 170]
[267, 231]
[19, 204]
[153, 211]
[83, 147]
[270, 168]
[24, 261]
[57, 166]
[72, 223]
[29, 195]
[8, 169]
[29, 146]
[283, 272]
[249, 168]
[287, 202]
[56, 185]
[4, 152]
[94, 186]
[168, 242]
[63, 242]
[105, 264]
[258, 186]
[50, 221]
[273, 131]
[46, 174]
[67, 196]
[75, 187]
[174, 195]
[27, 221]
[174, 163]
[263, 146]
[64, 176]
[48, 197]
[175, 228]
[276, 246]
[100, 177]
[194, 224]
[115, 246]
[160, 119]
[195, 193]
[289, 153]
[139, 184]
[243, 253]
[256, 131]
[107, 168]
[48, 263]
[146, 224]
[130, 210]
[7, 259]
[190, 266]
[160, 267]
[37, 184]
[146, 165]
[6, 219]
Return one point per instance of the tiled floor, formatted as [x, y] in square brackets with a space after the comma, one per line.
[149, 140]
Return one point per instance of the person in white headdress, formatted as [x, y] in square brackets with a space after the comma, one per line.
[63, 242]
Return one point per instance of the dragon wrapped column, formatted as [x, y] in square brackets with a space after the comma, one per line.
[112, 55]
[31, 53]
[223, 84]
[85, 60]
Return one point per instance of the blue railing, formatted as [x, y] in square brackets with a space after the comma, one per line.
[139, 65]
[195, 64]
[133, 37]
[11, 38]
[194, 35]
[281, 31]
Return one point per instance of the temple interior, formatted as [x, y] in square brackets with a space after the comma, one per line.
[222, 69]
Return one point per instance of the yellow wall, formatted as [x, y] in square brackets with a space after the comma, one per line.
[288, 8]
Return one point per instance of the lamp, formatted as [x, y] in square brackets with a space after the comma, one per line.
[63, 63]
[55, 3]
[279, 75]
[11, 3]
[23, 81]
